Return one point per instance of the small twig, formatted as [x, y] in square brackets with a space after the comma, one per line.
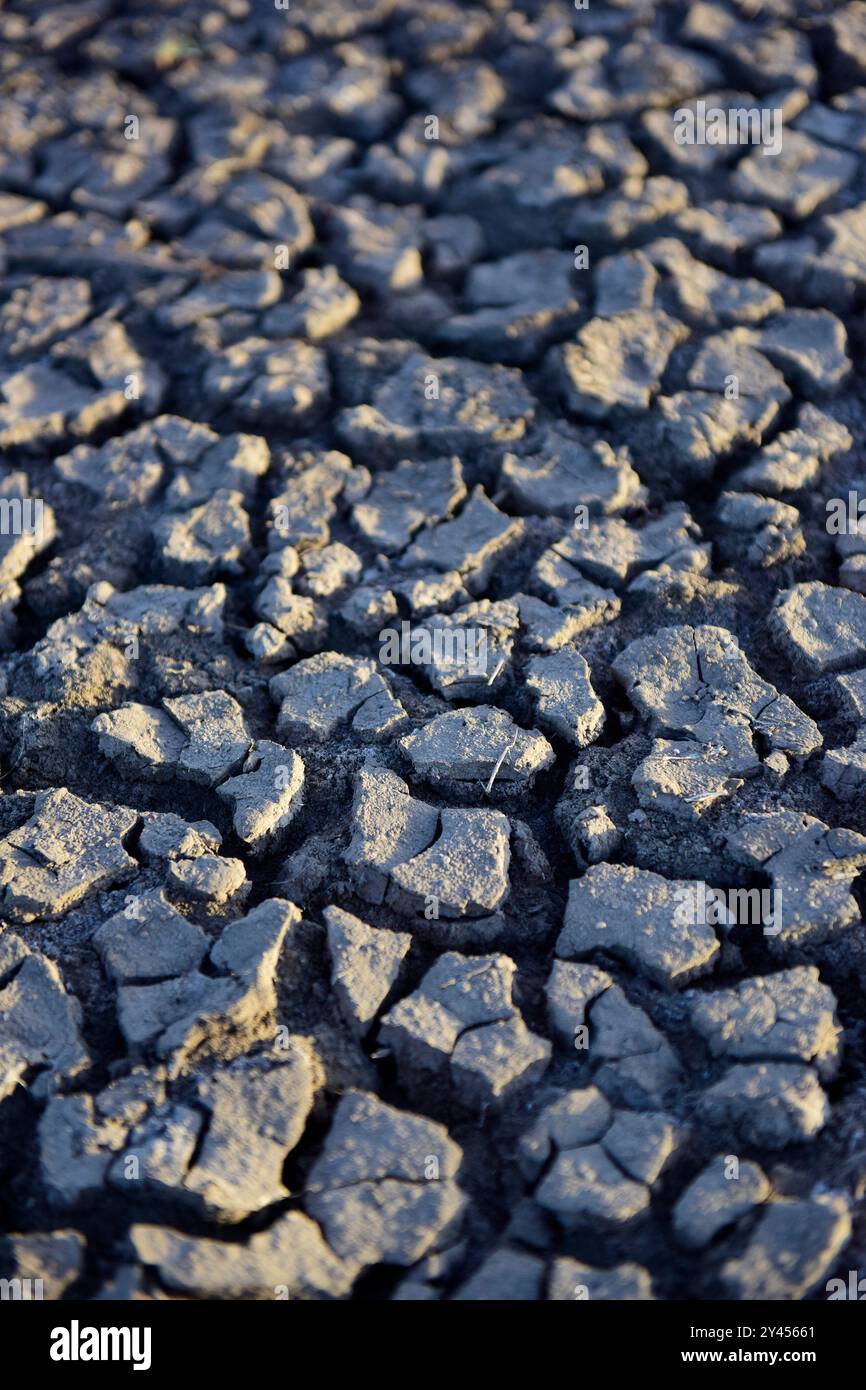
[492, 678]
[500, 760]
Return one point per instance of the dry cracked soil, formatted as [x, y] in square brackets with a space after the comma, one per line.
[432, 649]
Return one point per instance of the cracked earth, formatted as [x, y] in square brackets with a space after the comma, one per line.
[328, 973]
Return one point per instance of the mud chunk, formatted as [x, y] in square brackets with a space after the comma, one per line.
[163, 1148]
[642, 1144]
[389, 828]
[375, 1191]
[465, 871]
[194, 1015]
[799, 179]
[768, 56]
[257, 1112]
[488, 1065]
[707, 297]
[794, 1247]
[585, 1188]
[679, 778]
[269, 383]
[461, 1022]
[46, 1264]
[546, 628]
[635, 209]
[770, 1104]
[565, 701]
[820, 628]
[40, 1037]
[731, 357]
[365, 964]
[570, 990]
[456, 993]
[505, 1276]
[612, 551]
[785, 1018]
[519, 305]
[207, 879]
[290, 1255]
[67, 850]
[327, 572]
[427, 593]
[453, 242]
[596, 834]
[843, 770]
[166, 836]
[291, 615]
[403, 500]
[465, 653]
[122, 471]
[28, 526]
[42, 405]
[569, 1280]
[470, 544]
[35, 315]
[573, 1120]
[850, 693]
[144, 742]
[469, 94]
[217, 734]
[323, 692]
[698, 681]
[772, 528]
[265, 795]
[208, 540]
[844, 32]
[794, 458]
[690, 431]
[719, 230]
[242, 291]
[235, 463]
[631, 913]
[470, 745]
[852, 573]
[149, 940]
[301, 513]
[379, 718]
[622, 283]
[369, 609]
[638, 1067]
[323, 305]
[446, 404]
[544, 168]
[616, 364]
[714, 1201]
[841, 123]
[376, 247]
[811, 865]
[78, 1140]
[565, 472]
[85, 657]
[632, 77]
[809, 345]
[585, 604]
